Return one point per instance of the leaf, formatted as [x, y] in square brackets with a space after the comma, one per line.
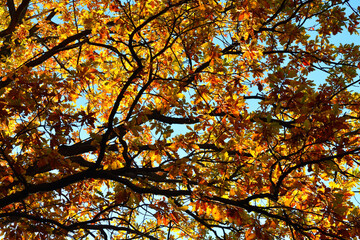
[216, 213]
[169, 119]
[249, 235]
[307, 124]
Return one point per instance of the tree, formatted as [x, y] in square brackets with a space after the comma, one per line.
[167, 119]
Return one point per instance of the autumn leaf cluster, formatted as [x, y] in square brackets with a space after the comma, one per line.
[179, 119]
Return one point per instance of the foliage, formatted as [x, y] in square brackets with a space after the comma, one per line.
[168, 119]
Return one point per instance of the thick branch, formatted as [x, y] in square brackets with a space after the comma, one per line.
[156, 115]
[16, 16]
[81, 176]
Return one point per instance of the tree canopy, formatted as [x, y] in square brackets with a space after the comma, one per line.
[179, 119]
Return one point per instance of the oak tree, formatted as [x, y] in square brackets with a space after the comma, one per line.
[179, 119]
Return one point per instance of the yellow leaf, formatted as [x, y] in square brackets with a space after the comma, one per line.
[158, 158]
[183, 208]
[216, 213]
